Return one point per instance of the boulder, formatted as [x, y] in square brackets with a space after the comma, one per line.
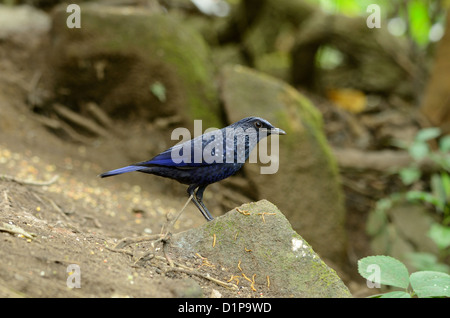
[21, 20]
[306, 186]
[257, 241]
[132, 62]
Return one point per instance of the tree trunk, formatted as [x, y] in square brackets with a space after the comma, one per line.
[436, 102]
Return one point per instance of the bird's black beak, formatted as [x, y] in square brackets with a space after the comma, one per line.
[277, 131]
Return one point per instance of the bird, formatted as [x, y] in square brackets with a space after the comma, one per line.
[206, 159]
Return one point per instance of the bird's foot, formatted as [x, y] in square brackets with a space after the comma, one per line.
[163, 238]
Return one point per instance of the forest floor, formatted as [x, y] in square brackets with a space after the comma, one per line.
[56, 212]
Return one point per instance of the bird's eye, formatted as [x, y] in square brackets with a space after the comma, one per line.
[258, 124]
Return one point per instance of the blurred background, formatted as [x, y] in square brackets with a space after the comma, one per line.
[361, 87]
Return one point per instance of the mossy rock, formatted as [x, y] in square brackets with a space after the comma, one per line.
[306, 186]
[257, 241]
[118, 56]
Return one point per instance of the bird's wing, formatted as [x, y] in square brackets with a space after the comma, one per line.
[166, 159]
[185, 155]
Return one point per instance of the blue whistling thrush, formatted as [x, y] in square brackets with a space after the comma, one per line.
[206, 159]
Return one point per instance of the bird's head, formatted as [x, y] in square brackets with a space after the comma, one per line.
[259, 124]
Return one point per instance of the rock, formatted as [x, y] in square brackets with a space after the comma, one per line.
[17, 21]
[185, 288]
[369, 60]
[131, 61]
[288, 39]
[215, 294]
[306, 186]
[260, 243]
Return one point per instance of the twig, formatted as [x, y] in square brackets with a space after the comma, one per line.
[57, 208]
[13, 229]
[252, 286]
[165, 241]
[205, 261]
[95, 220]
[99, 115]
[244, 212]
[132, 240]
[25, 182]
[146, 257]
[265, 213]
[172, 222]
[86, 123]
[6, 202]
[234, 277]
[177, 267]
[119, 250]
[164, 237]
[61, 127]
[205, 276]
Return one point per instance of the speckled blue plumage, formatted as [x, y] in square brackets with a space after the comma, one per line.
[206, 159]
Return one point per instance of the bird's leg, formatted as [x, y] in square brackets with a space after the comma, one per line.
[199, 197]
[200, 206]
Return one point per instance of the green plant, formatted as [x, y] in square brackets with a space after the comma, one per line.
[419, 150]
[436, 196]
[389, 271]
[420, 21]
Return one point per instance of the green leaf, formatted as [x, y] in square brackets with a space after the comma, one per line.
[376, 221]
[159, 90]
[427, 134]
[329, 58]
[422, 196]
[409, 175]
[399, 144]
[348, 7]
[396, 294]
[444, 143]
[430, 284]
[419, 150]
[384, 204]
[419, 21]
[385, 270]
[426, 262]
[440, 234]
[445, 180]
[438, 190]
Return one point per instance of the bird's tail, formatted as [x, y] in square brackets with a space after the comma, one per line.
[120, 171]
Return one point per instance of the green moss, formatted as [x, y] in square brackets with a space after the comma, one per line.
[264, 249]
